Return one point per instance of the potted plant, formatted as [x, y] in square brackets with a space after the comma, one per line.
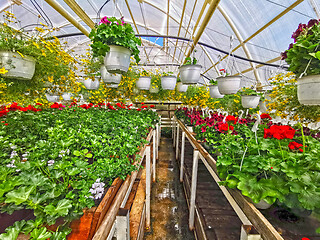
[249, 98]
[303, 56]
[168, 81]
[228, 84]
[91, 83]
[181, 87]
[14, 47]
[190, 71]
[144, 81]
[116, 41]
[214, 91]
[109, 77]
[52, 94]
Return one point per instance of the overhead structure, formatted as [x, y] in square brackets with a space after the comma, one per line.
[260, 29]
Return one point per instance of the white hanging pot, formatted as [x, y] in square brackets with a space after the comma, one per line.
[190, 74]
[109, 77]
[52, 97]
[18, 67]
[66, 96]
[168, 82]
[90, 84]
[250, 101]
[182, 87]
[114, 85]
[153, 89]
[309, 90]
[214, 92]
[143, 83]
[117, 60]
[263, 107]
[229, 84]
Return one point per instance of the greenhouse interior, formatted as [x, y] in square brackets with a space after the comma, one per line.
[208, 110]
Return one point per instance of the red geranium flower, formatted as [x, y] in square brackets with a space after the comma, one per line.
[304, 238]
[144, 107]
[225, 127]
[152, 106]
[265, 115]
[203, 129]
[231, 118]
[139, 109]
[6, 124]
[279, 132]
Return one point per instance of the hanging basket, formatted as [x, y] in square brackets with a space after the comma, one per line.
[109, 77]
[66, 96]
[52, 97]
[214, 92]
[190, 74]
[250, 101]
[17, 66]
[144, 83]
[309, 90]
[229, 84]
[168, 82]
[263, 107]
[182, 87]
[113, 85]
[117, 60]
[153, 89]
[90, 84]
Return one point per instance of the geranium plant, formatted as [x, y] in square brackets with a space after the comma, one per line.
[113, 31]
[303, 55]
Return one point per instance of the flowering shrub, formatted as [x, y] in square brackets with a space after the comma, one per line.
[304, 53]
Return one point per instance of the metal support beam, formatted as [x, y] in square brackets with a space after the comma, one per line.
[168, 10]
[123, 224]
[154, 153]
[193, 188]
[56, 6]
[79, 11]
[181, 20]
[183, 143]
[212, 7]
[177, 141]
[148, 187]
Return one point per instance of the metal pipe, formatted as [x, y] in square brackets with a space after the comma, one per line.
[79, 11]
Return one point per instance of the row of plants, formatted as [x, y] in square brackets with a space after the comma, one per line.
[265, 161]
[59, 161]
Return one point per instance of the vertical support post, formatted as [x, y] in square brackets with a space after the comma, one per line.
[174, 131]
[148, 186]
[158, 139]
[182, 155]
[123, 224]
[177, 142]
[154, 152]
[193, 188]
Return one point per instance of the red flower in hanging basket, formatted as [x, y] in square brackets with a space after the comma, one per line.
[265, 115]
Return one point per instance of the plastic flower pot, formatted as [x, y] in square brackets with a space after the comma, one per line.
[52, 97]
[18, 67]
[309, 90]
[114, 85]
[263, 107]
[214, 92]
[229, 84]
[117, 60]
[66, 96]
[91, 84]
[262, 204]
[143, 83]
[190, 74]
[153, 89]
[182, 87]
[250, 101]
[168, 82]
[109, 77]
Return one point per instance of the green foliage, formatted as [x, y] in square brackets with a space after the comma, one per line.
[113, 31]
[49, 160]
[189, 61]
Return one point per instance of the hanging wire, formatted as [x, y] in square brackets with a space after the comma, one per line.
[42, 13]
[99, 11]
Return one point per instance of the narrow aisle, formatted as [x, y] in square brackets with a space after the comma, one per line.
[169, 212]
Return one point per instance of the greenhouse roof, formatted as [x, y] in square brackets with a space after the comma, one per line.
[257, 30]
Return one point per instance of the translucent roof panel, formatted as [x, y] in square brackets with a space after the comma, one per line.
[265, 26]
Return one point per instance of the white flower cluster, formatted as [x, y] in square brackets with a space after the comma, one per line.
[64, 153]
[97, 189]
[13, 154]
[11, 164]
[25, 156]
[50, 163]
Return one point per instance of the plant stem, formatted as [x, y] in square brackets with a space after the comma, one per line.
[281, 149]
[303, 138]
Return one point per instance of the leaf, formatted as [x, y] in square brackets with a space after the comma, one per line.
[76, 153]
[40, 234]
[19, 196]
[13, 231]
[62, 208]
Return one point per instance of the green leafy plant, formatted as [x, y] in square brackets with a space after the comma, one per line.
[304, 54]
[190, 61]
[113, 31]
[213, 82]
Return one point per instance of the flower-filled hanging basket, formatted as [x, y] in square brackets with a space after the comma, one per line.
[309, 90]
[18, 67]
[112, 85]
[52, 97]
[117, 59]
[250, 101]
[91, 84]
[109, 77]
[168, 82]
[190, 74]
[182, 87]
[66, 96]
[214, 92]
[229, 84]
[143, 83]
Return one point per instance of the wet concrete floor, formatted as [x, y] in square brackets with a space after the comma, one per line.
[169, 212]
